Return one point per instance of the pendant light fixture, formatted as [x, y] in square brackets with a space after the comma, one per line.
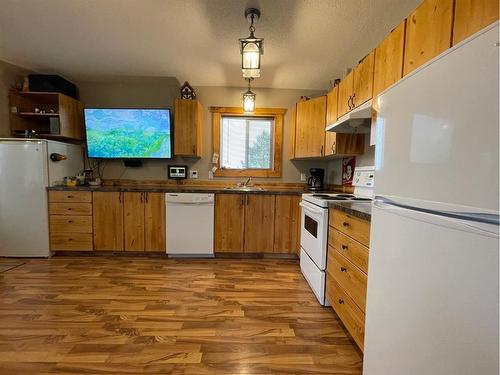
[249, 98]
[251, 48]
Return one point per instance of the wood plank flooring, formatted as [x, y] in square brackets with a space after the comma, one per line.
[132, 315]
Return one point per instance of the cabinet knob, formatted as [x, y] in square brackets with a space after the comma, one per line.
[343, 269]
[341, 301]
[321, 151]
[345, 224]
[344, 247]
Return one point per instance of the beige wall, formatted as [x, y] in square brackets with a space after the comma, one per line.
[162, 92]
[9, 75]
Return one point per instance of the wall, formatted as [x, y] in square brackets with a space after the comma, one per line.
[334, 167]
[9, 76]
[154, 92]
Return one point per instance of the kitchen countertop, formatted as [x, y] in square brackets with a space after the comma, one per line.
[363, 210]
[179, 189]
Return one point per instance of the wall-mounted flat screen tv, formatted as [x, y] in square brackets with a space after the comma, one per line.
[128, 133]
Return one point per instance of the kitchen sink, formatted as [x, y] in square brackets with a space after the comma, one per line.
[244, 188]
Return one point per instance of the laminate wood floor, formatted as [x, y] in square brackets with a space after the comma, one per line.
[130, 315]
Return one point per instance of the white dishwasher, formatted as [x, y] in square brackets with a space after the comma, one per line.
[190, 224]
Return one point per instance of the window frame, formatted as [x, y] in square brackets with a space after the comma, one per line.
[276, 113]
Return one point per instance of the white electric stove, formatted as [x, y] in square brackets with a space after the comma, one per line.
[314, 228]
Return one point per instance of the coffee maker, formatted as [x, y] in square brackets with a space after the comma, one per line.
[315, 180]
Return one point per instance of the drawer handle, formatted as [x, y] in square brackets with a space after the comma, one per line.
[345, 224]
[70, 239]
[341, 301]
[70, 221]
[69, 196]
[69, 208]
[344, 247]
[343, 269]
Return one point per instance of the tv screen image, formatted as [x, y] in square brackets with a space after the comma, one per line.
[128, 133]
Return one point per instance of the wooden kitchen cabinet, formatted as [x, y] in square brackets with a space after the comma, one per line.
[70, 221]
[154, 222]
[259, 223]
[287, 224]
[472, 16]
[388, 65]
[133, 221]
[310, 126]
[346, 89]
[363, 80]
[428, 32]
[108, 220]
[229, 222]
[188, 128]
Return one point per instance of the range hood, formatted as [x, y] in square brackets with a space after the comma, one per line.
[356, 121]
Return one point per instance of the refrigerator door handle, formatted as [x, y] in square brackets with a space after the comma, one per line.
[484, 218]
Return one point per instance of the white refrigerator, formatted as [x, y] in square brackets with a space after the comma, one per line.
[433, 277]
[26, 170]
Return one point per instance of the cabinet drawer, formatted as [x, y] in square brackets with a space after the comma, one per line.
[71, 241]
[352, 226]
[352, 250]
[350, 277]
[70, 224]
[350, 314]
[70, 196]
[70, 208]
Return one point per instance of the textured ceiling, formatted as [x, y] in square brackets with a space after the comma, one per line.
[307, 43]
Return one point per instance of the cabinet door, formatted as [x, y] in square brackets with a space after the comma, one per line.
[229, 222]
[310, 128]
[349, 144]
[428, 32]
[471, 16]
[331, 118]
[259, 223]
[389, 60]
[133, 220]
[363, 80]
[293, 129]
[346, 88]
[188, 127]
[108, 220]
[154, 222]
[287, 224]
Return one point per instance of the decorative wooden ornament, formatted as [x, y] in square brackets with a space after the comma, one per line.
[187, 92]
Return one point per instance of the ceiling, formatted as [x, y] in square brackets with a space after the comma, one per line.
[307, 43]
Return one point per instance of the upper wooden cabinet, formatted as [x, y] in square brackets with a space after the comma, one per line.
[51, 115]
[346, 89]
[428, 32]
[388, 67]
[471, 16]
[310, 126]
[188, 128]
[331, 106]
[107, 215]
[363, 81]
[344, 144]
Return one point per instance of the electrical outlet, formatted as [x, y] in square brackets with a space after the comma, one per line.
[302, 177]
[193, 173]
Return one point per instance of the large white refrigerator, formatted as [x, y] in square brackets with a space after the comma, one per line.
[26, 170]
[433, 277]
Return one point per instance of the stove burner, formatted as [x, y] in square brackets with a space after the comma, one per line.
[337, 198]
[345, 195]
[361, 199]
[324, 196]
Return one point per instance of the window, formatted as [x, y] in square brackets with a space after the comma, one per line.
[247, 145]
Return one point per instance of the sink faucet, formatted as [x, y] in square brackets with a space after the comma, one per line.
[247, 183]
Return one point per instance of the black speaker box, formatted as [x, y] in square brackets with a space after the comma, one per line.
[52, 83]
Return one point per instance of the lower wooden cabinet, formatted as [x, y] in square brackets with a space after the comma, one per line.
[347, 268]
[130, 221]
[287, 224]
[257, 223]
[70, 221]
[108, 220]
[229, 222]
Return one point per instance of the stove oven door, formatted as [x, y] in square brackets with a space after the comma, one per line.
[313, 233]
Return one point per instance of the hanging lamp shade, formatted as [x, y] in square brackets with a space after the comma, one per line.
[251, 48]
[249, 99]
